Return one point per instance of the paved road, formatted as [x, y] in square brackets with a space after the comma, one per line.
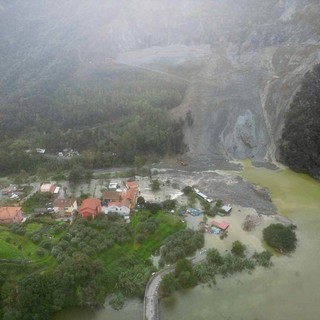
[151, 311]
[151, 294]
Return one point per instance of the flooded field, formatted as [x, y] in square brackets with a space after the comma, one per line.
[289, 290]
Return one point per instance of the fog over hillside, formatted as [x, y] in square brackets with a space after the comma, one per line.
[249, 57]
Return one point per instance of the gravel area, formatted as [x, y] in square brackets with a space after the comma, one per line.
[230, 188]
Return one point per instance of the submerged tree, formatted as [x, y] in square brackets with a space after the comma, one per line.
[283, 238]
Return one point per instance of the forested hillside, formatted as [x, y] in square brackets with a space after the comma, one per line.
[60, 88]
[300, 145]
[112, 113]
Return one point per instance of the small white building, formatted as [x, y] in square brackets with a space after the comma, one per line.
[227, 208]
[118, 208]
[115, 185]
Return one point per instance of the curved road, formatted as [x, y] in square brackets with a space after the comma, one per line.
[151, 294]
[151, 311]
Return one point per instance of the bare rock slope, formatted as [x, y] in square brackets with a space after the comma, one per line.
[239, 99]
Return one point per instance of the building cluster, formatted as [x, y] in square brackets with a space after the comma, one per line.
[120, 198]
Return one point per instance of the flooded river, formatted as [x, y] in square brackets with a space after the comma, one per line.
[289, 290]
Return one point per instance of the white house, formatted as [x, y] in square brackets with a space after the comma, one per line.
[118, 208]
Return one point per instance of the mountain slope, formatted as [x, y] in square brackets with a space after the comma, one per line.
[242, 60]
[240, 98]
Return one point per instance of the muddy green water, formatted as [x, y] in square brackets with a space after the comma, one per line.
[289, 290]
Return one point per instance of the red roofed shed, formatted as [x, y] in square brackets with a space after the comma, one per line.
[223, 225]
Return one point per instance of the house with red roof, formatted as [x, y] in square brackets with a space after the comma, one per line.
[90, 208]
[223, 225]
[112, 196]
[124, 203]
[130, 197]
[10, 215]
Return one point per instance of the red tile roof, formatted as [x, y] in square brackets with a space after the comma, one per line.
[223, 225]
[112, 195]
[131, 194]
[128, 199]
[90, 207]
[10, 214]
[132, 185]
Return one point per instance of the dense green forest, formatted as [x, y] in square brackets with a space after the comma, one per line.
[300, 143]
[109, 114]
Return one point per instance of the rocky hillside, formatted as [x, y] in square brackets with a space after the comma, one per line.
[247, 58]
[239, 99]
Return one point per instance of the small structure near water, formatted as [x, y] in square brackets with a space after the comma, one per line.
[227, 208]
[194, 212]
[218, 227]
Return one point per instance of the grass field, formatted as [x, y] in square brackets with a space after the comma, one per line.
[33, 226]
[20, 247]
[9, 251]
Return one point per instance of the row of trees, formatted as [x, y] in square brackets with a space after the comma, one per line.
[180, 245]
[187, 275]
[278, 236]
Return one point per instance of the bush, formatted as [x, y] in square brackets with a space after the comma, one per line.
[280, 237]
[140, 201]
[238, 248]
[18, 229]
[46, 244]
[117, 301]
[186, 190]
[36, 237]
[168, 284]
[169, 204]
[40, 252]
[214, 257]
[153, 207]
[263, 258]
[155, 185]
